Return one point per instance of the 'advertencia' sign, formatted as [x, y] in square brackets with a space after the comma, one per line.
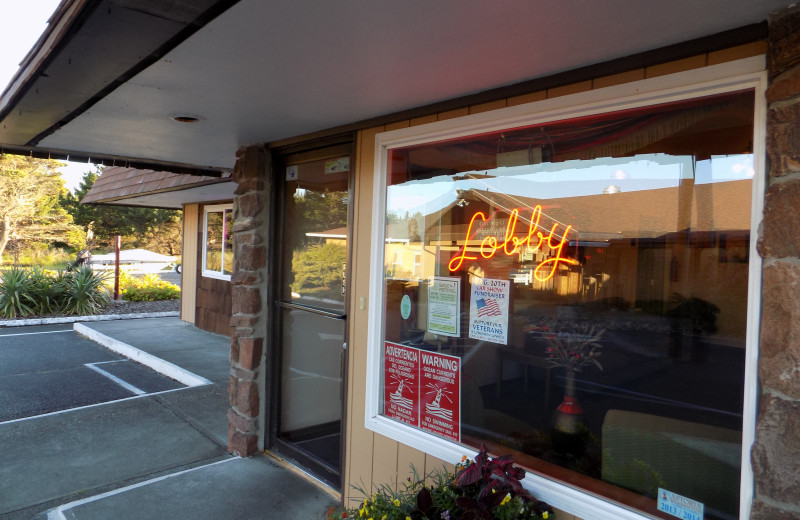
[423, 389]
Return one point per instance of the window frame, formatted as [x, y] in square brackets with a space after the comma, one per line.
[207, 273]
[749, 73]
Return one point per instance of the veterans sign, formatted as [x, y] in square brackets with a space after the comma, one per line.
[488, 310]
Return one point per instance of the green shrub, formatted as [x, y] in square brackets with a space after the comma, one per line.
[43, 255]
[47, 290]
[147, 288]
[15, 299]
[149, 294]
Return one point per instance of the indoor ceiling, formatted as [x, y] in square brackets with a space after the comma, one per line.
[267, 70]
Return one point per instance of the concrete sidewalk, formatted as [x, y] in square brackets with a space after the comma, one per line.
[151, 457]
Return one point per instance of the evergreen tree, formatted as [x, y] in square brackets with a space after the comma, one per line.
[30, 213]
[158, 230]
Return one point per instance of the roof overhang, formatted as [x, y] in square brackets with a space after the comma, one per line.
[157, 189]
[108, 78]
[176, 199]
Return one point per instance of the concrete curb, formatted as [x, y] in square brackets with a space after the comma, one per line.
[159, 365]
[73, 319]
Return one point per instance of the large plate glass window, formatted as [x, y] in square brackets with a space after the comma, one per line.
[574, 293]
[218, 241]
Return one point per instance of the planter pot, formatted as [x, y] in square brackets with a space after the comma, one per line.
[569, 435]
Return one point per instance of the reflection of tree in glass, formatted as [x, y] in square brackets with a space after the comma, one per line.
[406, 226]
[214, 261]
[157, 230]
[317, 211]
[395, 217]
[318, 271]
[214, 241]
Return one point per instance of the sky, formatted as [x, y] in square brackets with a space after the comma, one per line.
[25, 21]
[573, 178]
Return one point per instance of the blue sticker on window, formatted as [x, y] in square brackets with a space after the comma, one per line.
[679, 506]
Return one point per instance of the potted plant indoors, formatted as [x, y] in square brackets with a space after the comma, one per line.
[571, 349]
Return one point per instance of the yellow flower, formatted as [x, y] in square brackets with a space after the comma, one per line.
[396, 502]
[505, 499]
[545, 515]
[408, 518]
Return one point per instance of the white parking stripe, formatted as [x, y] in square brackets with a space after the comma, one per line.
[34, 333]
[124, 384]
[95, 405]
[58, 512]
[161, 366]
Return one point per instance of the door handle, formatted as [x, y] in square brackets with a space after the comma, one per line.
[314, 310]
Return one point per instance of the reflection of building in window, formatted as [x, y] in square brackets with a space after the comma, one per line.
[660, 266]
[417, 264]
[397, 264]
[218, 241]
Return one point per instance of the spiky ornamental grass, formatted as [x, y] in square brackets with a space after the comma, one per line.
[86, 292]
[15, 299]
[26, 292]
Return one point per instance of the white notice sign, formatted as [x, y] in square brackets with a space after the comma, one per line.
[444, 298]
[488, 310]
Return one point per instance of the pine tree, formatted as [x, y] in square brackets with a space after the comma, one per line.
[30, 190]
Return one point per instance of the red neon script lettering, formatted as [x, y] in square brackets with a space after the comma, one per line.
[455, 262]
[533, 241]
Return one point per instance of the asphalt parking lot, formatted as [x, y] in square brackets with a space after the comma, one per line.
[48, 369]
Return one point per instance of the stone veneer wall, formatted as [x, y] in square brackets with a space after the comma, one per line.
[249, 290]
[776, 453]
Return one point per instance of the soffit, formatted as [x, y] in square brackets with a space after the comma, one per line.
[264, 71]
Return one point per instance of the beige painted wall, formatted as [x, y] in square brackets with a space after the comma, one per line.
[189, 262]
[372, 459]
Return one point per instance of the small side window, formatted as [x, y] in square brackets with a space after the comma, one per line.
[218, 241]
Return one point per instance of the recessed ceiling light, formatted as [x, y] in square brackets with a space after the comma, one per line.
[186, 118]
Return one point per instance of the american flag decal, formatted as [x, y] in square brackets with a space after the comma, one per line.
[488, 307]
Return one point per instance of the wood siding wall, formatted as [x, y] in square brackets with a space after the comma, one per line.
[213, 296]
[371, 457]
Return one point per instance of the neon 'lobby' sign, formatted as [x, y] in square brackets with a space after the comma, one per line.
[511, 244]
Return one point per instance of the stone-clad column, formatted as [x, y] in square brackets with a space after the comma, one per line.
[776, 453]
[248, 313]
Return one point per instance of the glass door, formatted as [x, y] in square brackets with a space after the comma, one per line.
[312, 304]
